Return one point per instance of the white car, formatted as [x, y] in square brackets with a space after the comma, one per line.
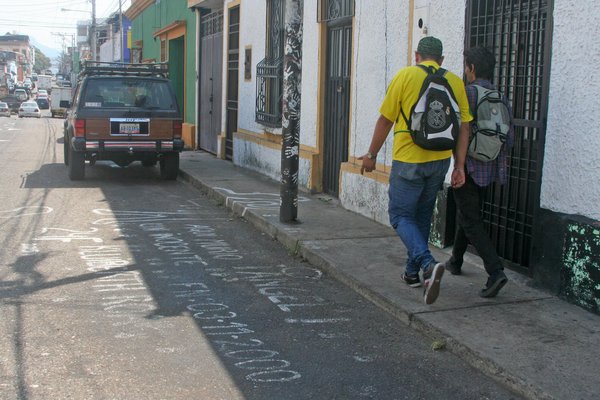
[29, 109]
[4, 110]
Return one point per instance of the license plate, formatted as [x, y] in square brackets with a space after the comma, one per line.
[129, 129]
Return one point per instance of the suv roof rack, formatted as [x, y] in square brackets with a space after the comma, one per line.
[111, 68]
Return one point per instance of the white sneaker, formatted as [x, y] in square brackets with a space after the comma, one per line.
[432, 285]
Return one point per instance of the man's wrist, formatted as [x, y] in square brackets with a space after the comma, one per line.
[371, 156]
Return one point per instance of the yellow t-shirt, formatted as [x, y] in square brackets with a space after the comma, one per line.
[402, 94]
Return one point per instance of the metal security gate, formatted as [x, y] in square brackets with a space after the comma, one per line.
[519, 32]
[233, 62]
[337, 102]
[211, 62]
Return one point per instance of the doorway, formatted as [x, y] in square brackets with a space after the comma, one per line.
[337, 102]
[519, 32]
[210, 98]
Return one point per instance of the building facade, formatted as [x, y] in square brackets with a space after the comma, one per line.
[24, 53]
[165, 31]
[114, 48]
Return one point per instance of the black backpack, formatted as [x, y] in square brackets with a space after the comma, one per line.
[435, 118]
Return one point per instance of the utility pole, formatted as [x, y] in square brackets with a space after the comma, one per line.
[292, 80]
[93, 31]
[122, 31]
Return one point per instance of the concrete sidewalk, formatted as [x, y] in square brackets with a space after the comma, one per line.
[537, 344]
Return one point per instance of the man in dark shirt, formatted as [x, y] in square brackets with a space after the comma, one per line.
[479, 69]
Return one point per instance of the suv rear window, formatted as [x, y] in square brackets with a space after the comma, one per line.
[127, 92]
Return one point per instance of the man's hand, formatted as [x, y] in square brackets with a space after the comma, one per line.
[367, 164]
[458, 177]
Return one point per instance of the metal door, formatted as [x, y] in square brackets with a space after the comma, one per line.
[337, 102]
[211, 62]
[233, 61]
[519, 32]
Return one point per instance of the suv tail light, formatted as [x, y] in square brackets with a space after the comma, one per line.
[80, 127]
[177, 129]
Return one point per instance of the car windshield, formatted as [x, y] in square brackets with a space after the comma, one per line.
[127, 92]
[3, 104]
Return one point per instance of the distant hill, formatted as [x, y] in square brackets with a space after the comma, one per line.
[50, 52]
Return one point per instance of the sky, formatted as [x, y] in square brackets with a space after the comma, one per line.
[44, 20]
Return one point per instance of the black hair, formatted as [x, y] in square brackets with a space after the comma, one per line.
[483, 60]
[436, 58]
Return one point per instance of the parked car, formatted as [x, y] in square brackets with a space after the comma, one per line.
[4, 110]
[43, 103]
[13, 102]
[123, 114]
[42, 93]
[22, 94]
[29, 109]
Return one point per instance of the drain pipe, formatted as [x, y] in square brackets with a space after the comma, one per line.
[292, 80]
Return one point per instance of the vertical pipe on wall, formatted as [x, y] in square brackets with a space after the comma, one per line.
[290, 149]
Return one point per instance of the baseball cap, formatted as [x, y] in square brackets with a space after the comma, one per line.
[431, 46]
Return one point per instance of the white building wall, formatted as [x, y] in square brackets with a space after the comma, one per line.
[310, 75]
[106, 51]
[252, 33]
[571, 169]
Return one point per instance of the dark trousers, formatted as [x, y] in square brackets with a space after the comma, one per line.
[470, 228]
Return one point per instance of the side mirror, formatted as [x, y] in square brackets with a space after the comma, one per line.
[65, 104]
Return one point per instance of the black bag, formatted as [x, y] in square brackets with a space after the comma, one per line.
[435, 118]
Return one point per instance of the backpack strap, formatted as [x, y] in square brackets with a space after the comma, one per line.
[429, 70]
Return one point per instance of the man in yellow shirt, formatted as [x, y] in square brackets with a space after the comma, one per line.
[417, 174]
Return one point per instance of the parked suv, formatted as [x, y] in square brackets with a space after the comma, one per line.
[123, 113]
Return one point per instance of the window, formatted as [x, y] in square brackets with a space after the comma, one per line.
[330, 10]
[123, 92]
[269, 72]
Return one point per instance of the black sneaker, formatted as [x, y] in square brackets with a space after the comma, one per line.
[432, 285]
[493, 285]
[412, 281]
[453, 268]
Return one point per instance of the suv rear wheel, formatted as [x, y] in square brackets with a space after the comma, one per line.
[65, 150]
[169, 166]
[76, 165]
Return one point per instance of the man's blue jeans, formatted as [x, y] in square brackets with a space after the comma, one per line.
[412, 193]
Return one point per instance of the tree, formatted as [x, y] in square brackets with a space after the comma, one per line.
[42, 62]
[64, 62]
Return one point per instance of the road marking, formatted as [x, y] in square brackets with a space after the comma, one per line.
[316, 321]
[27, 210]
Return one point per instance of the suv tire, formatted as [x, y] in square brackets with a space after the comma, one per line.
[66, 150]
[76, 165]
[169, 166]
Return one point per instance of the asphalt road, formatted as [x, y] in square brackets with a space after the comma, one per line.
[123, 286]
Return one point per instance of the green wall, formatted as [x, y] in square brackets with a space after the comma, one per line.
[156, 17]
